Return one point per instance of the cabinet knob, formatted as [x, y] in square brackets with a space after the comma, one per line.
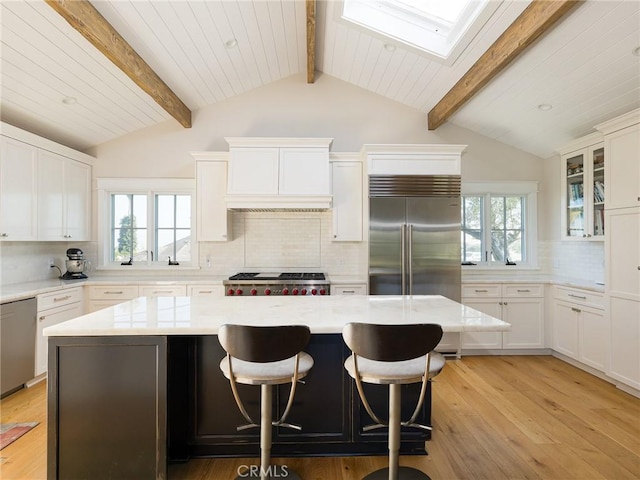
[4, 235]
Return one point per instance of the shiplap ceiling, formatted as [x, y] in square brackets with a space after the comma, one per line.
[584, 67]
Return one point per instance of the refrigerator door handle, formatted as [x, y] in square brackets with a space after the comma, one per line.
[403, 259]
[410, 258]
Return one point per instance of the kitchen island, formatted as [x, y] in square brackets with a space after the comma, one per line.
[136, 385]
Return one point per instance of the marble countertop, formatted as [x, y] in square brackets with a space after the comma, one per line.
[328, 314]
[10, 293]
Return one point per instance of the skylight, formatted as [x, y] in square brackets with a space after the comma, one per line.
[441, 28]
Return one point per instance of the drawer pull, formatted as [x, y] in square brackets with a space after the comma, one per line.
[155, 292]
[205, 291]
[114, 293]
[348, 291]
[524, 290]
[581, 297]
[576, 309]
[60, 299]
[481, 290]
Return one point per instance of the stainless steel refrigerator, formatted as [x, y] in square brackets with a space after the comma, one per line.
[414, 235]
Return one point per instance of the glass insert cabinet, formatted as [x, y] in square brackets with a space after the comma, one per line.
[583, 189]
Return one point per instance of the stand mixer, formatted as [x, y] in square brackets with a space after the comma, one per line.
[76, 265]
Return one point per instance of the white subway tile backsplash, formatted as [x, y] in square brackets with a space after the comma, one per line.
[285, 241]
[584, 260]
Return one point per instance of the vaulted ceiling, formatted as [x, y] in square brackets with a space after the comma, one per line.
[209, 51]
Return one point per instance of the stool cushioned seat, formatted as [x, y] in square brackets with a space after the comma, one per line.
[407, 371]
[270, 373]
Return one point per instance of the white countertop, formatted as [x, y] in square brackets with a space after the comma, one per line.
[327, 314]
[19, 291]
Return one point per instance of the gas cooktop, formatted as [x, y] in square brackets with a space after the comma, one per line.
[276, 283]
[277, 276]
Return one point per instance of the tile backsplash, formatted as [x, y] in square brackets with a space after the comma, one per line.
[29, 261]
[583, 260]
[286, 241]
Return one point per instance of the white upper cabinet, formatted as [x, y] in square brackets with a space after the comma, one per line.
[347, 192]
[253, 171]
[622, 144]
[213, 219]
[18, 206]
[583, 189]
[304, 171]
[64, 198]
[279, 173]
[45, 189]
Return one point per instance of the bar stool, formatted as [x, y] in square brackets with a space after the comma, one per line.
[265, 356]
[393, 355]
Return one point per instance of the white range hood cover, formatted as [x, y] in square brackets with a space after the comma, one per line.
[278, 202]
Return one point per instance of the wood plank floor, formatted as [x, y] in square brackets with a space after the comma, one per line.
[509, 417]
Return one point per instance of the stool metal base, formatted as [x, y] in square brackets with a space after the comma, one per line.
[274, 472]
[404, 473]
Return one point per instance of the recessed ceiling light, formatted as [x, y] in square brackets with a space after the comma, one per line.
[545, 107]
[636, 51]
[231, 43]
[389, 47]
[69, 100]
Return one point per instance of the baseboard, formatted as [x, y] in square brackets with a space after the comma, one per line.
[597, 373]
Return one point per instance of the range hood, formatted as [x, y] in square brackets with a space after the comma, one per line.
[271, 203]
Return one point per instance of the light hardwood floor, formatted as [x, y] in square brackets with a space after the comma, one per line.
[507, 417]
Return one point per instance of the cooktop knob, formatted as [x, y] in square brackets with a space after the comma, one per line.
[230, 291]
[323, 291]
[303, 291]
[239, 291]
[254, 292]
[314, 291]
[285, 291]
[267, 291]
[295, 291]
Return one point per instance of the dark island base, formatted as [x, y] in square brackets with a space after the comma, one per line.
[161, 399]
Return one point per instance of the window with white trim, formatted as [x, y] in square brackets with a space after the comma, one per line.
[147, 223]
[499, 224]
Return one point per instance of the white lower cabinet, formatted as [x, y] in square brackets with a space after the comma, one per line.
[349, 289]
[580, 329]
[104, 296]
[162, 290]
[521, 305]
[205, 290]
[54, 308]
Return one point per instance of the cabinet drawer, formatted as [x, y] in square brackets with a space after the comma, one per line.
[582, 297]
[481, 290]
[59, 298]
[113, 292]
[205, 290]
[357, 289]
[163, 291]
[523, 290]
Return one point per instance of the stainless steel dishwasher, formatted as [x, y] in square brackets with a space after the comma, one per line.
[17, 344]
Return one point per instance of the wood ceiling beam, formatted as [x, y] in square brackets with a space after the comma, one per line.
[83, 17]
[311, 40]
[536, 19]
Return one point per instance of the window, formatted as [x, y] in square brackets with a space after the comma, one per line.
[439, 28]
[147, 227]
[499, 228]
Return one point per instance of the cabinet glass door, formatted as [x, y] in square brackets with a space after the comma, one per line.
[575, 196]
[597, 156]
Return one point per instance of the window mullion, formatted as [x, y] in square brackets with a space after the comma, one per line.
[151, 228]
[486, 227]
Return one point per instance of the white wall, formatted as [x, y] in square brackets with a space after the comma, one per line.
[292, 108]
